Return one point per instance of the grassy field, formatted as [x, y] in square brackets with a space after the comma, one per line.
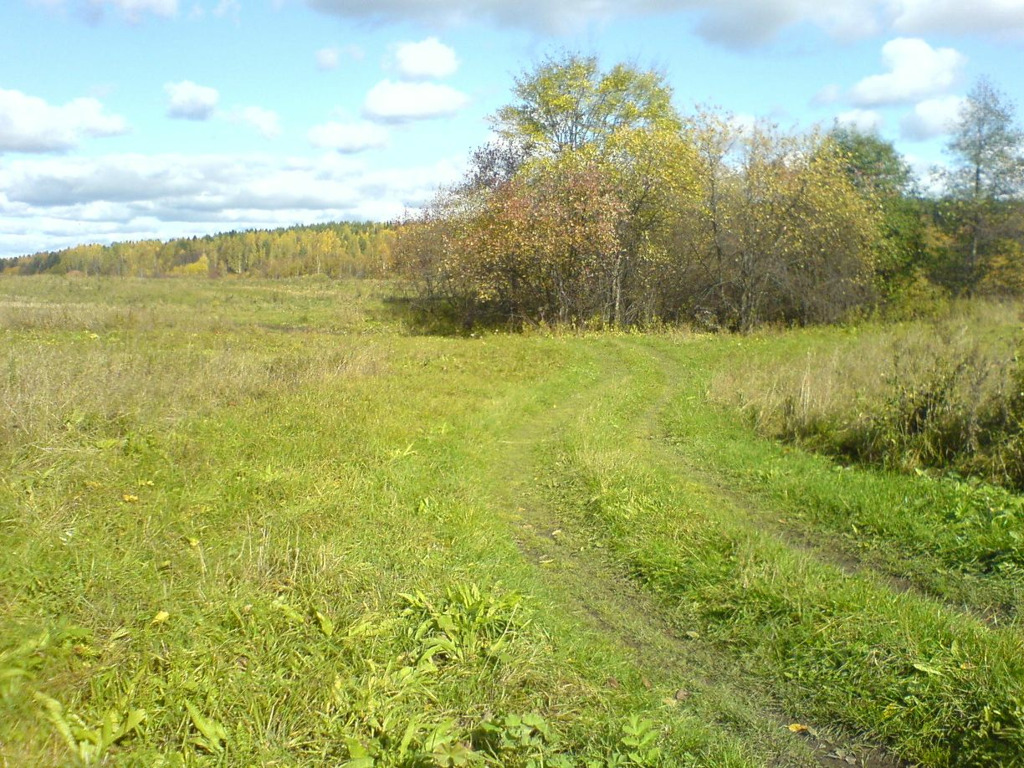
[265, 523]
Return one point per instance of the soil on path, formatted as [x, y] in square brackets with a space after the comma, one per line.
[701, 678]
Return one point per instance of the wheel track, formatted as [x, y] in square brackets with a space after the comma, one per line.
[606, 599]
[819, 545]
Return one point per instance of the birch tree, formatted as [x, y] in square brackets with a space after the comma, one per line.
[987, 147]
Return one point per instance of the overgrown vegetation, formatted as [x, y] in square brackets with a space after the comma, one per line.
[241, 526]
[945, 396]
[600, 205]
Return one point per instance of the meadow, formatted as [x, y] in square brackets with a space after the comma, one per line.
[252, 522]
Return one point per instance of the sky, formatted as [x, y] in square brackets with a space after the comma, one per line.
[138, 119]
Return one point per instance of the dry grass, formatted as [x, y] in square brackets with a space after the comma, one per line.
[77, 373]
[936, 393]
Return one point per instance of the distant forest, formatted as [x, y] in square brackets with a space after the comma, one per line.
[335, 250]
[598, 204]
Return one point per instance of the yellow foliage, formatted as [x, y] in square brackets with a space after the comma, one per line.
[1004, 275]
[197, 268]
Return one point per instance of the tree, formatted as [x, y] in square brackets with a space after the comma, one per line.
[881, 175]
[568, 103]
[988, 154]
[540, 248]
[780, 233]
[622, 123]
[655, 173]
[563, 218]
[872, 163]
[496, 163]
[597, 206]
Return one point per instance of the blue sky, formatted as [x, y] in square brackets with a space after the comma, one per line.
[131, 119]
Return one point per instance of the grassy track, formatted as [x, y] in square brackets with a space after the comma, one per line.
[258, 523]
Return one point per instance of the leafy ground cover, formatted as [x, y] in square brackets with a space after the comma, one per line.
[252, 522]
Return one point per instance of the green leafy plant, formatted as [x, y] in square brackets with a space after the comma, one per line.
[527, 740]
[90, 743]
[464, 623]
[213, 737]
[19, 664]
[640, 742]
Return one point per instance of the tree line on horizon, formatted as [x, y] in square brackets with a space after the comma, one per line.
[342, 249]
[599, 204]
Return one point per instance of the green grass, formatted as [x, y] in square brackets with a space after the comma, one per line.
[263, 523]
[831, 638]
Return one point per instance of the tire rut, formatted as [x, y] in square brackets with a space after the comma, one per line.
[604, 597]
[811, 543]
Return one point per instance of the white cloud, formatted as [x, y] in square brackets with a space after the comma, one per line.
[744, 123]
[228, 7]
[931, 118]
[999, 18]
[863, 120]
[916, 71]
[743, 23]
[29, 124]
[348, 138]
[929, 176]
[266, 121]
[730, 22]
[389, 101]
[426, 59]
[189, 101]
[327, 58]
[330, 58]
[48, 203]
[830, 94]
[733, 23]
[131, 10]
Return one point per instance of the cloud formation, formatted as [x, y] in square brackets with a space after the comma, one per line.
[330, 58]
[266, 121]
[228, 8]
[931, 118]
[399, 102]
[131, 11]
[189, 101]
[348, 138]
[733, 23]
[327, 59]
[429, 58]
[746, 23]
[830, 94]
[55, 202]
[998, 18]
[916, 71]
[863, 120]
[29, 124]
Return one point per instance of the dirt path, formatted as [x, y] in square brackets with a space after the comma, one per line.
[703, 679]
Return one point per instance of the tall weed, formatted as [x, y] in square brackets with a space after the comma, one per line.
[946, 396]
